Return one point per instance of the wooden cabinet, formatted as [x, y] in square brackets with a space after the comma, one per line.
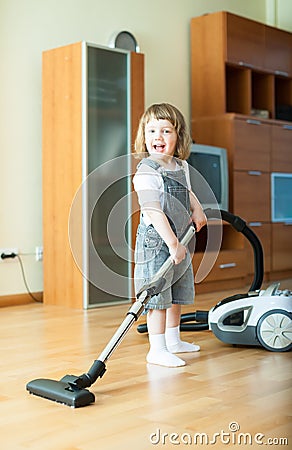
[93, 98]
[247, 139]
[254, 151]
[228, 264]
[251, 144]
[248, 144]
[281, 246]
[206, 30]
[223, 263]
[251, 196]
[278, 53]
[242, 100]
[245, 40]
[250, 180]
[281, 151]
[240, 66]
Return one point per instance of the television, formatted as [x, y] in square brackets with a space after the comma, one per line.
[208, 167]
[281, 197]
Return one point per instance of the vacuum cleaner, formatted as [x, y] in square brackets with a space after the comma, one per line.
[72, 390]
[258, 317]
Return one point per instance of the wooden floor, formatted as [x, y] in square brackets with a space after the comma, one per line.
[223, 389]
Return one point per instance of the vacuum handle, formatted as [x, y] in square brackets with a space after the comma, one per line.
[169, 262]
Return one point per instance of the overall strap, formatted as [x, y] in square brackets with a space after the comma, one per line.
[149, 162]
[156, 166]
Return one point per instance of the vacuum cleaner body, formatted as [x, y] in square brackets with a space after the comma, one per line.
[261, 318]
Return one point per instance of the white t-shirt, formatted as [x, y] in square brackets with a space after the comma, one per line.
[148, 183]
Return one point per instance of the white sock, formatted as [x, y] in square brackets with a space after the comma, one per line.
[158, 353]
[175, 344]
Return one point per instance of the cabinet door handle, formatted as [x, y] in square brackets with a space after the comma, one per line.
[253, 122]
[282, 73]
[245, 64]
[255, 224]
[254, 172]
[227, 265]
[287, 127]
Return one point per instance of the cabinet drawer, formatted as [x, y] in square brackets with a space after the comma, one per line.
[281, 247]
[228, 265]
[263, 232]
[251, 196]
[252, 144]
[281, 148]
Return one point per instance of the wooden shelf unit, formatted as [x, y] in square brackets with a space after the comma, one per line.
[235, 67]
[67, 110]
[241, 78]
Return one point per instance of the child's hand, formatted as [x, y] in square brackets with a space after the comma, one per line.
[177, 252]
[199, 218]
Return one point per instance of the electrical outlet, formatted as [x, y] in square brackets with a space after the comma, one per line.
[39, 253]
[8, 251]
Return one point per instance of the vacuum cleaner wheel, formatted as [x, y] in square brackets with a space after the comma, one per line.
[274, 330]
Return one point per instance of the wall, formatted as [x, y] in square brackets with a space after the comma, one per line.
[279, 14]
[26, 29]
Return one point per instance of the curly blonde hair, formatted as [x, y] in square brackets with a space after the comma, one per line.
[164, 111]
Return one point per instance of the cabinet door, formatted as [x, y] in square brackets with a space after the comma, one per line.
[252, 144]
[281, 148]
[251, 196]
[281, 247]
[245, 41]
[278, 51]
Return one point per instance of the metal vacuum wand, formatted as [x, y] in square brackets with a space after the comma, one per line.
[71, 390]
[143, 297]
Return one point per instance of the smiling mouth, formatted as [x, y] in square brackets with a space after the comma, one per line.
[159, 148]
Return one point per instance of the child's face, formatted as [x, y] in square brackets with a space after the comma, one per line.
[160, 137]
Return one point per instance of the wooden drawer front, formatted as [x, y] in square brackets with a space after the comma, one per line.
[252, 144]
[263, 232]
[251, 196]
[245, 41]
[281, 148]
[229, 264]
[281, 247]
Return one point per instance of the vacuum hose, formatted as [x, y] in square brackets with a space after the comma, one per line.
[201, 317]
[240, 225]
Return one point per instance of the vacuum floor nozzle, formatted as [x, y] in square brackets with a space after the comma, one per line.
[61, 391]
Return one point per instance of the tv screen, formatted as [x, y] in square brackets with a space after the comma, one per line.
[211, 183]
[281, 189]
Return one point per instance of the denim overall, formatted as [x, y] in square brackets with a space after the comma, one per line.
[151, 251]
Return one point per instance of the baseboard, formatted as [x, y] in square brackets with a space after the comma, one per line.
[20, 299]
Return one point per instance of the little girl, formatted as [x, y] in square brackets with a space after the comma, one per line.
[167, 206]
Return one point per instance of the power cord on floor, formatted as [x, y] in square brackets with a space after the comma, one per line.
[14, 255]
